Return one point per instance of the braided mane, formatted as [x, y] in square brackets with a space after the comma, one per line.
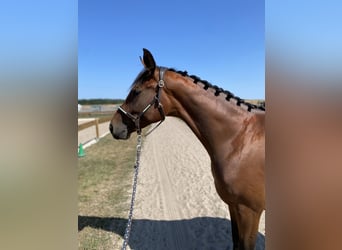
[218, 90]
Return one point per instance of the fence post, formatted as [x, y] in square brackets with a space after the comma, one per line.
[97, 128]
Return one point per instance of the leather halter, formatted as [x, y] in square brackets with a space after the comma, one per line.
[156, 102]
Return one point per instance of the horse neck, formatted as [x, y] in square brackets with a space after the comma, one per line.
[214, 120]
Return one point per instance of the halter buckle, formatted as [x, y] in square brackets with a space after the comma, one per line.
[161, 83]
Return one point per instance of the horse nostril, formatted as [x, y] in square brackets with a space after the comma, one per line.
[111, 128]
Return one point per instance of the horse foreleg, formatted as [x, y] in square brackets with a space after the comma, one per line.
[247, 223]
[234, 226]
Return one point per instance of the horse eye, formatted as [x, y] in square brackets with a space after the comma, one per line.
[136, 92]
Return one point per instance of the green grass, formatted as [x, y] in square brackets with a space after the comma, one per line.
[104, 187]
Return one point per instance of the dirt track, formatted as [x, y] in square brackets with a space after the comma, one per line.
[177, 206]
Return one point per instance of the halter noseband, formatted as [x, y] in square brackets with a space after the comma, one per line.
[155, 101]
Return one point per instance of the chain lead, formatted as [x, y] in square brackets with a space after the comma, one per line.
[136, 171]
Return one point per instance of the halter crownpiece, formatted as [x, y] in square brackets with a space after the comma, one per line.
[155, 101]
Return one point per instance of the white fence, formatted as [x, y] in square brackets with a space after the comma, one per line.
[91, 129]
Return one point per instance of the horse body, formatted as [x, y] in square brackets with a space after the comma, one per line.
[233, 137]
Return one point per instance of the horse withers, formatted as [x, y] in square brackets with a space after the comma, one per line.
[231, 130]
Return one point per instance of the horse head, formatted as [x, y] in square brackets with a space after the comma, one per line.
[142, 105]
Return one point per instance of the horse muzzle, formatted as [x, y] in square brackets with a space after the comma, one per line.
[119, 132]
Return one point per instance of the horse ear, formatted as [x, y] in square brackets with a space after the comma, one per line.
[142, 61]
[148, 60]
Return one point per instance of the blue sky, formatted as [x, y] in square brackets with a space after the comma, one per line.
[311, 40]
[219, 41]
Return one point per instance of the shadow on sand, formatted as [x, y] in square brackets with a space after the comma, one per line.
[196, 233]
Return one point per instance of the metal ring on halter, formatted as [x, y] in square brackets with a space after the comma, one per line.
[161, 83]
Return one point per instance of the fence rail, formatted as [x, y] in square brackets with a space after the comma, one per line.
[86, 134]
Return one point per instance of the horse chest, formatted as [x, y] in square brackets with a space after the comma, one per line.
[238, 181]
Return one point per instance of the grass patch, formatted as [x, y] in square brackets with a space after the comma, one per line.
[104, 187]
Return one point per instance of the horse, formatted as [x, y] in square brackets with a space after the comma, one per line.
[230, 128]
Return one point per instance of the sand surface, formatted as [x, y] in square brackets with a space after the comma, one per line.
[177, 206]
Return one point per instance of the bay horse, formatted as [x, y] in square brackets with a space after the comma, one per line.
[231, 130]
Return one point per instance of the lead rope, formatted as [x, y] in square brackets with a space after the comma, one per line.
[139, 141]
[136, 171]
